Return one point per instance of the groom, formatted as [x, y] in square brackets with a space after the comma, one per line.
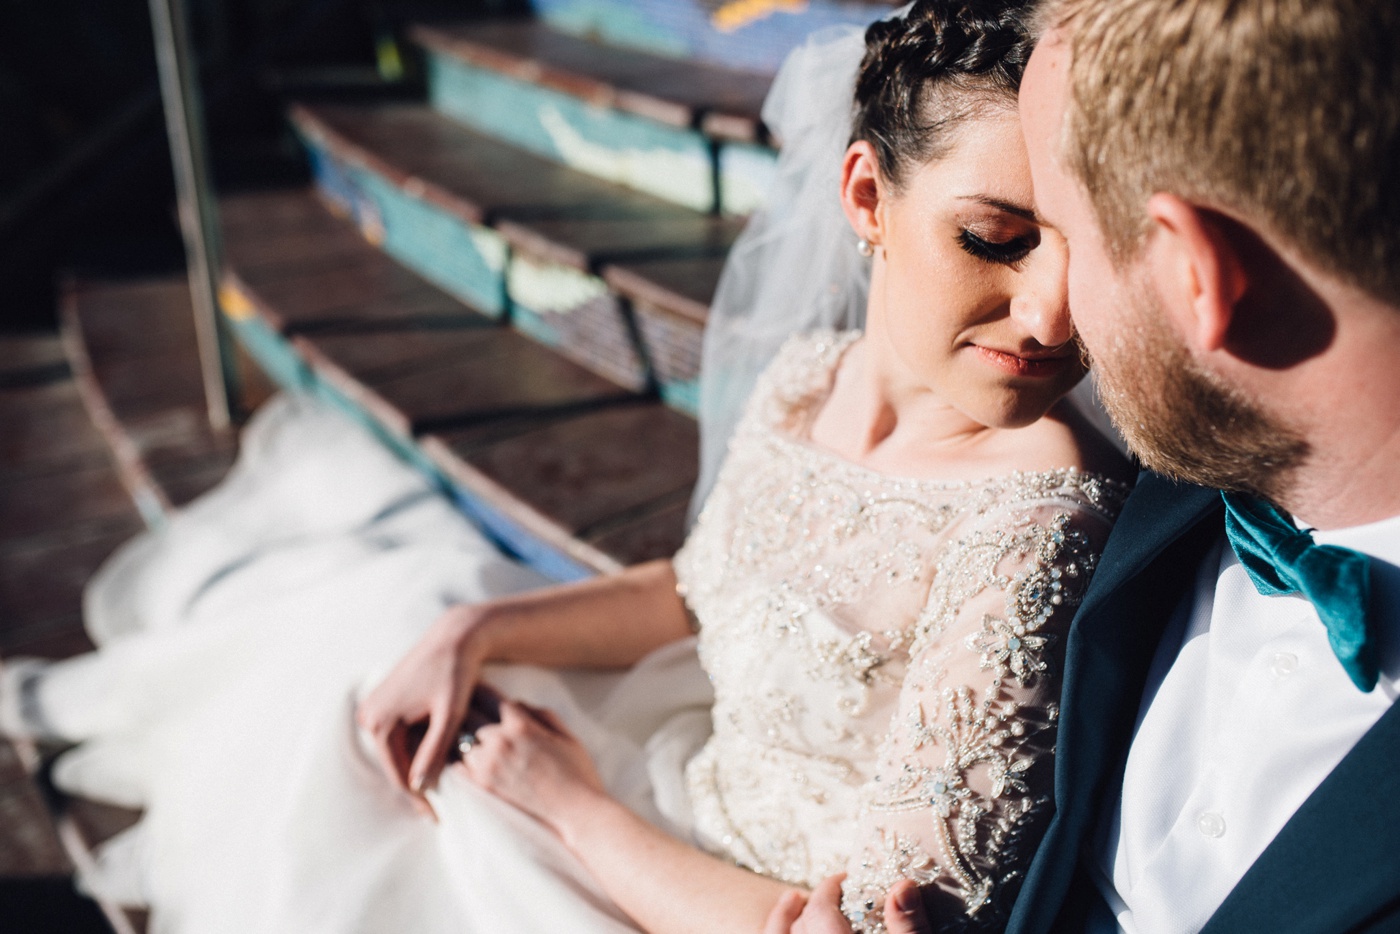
[1227, 176]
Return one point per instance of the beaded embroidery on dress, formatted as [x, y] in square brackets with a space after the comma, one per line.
[884, 657]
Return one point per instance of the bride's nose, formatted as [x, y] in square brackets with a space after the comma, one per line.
[1042, 304]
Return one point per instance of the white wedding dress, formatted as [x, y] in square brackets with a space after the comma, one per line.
[879, 654]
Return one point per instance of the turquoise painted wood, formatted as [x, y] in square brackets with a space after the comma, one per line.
[746, 174]
[749, 34]
[279, 359]
[576, 314]
[682, 395]
[662, 160]
[466, 260]
[564, 308]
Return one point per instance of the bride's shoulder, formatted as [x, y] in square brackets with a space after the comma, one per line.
[1059, 440]
[800, 375]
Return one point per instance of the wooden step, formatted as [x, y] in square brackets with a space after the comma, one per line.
[746, 34]
[651, 123]
[670, 299]
[517, 235]
[133, 350]
[63, 510]
[499, 418]
[686, 95]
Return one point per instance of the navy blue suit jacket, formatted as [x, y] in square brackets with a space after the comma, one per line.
[1334, 867]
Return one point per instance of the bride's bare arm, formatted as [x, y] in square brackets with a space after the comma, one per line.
[606, 622]
[664, 885]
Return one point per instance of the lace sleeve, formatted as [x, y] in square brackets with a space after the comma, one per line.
[964, 774]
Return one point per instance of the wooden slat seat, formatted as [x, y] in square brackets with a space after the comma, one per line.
[562, 228]
[594, 471]
[133, 349]
[513, 424]
[680, 286]
[63, 510]
[461, 378]
[544, 208]
[724, 102]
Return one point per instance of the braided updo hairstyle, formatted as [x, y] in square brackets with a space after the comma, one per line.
[926, 72]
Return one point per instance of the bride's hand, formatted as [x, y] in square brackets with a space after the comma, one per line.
[531, 760]
[429, 691]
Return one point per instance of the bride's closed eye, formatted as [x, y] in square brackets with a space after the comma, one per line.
[1002, 252]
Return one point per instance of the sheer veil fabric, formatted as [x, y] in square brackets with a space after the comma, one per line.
[794, 269]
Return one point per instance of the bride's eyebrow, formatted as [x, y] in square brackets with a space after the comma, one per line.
[1010, 207]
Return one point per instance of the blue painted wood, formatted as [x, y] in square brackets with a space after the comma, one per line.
[666, 161]
[576, 314]
[518, 543]
[279, 359]
[749, 34]
[466, 260]
[746, 175]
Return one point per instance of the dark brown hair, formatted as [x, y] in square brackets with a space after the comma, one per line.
[926, 72]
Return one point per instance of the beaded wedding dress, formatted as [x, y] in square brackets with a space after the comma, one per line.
[873, 689]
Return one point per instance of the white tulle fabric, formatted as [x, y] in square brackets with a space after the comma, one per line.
[233, 646]
[795, 268]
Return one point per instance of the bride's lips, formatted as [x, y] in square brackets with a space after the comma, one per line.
[1017, 365]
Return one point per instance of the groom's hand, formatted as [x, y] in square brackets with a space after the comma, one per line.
[820, 913]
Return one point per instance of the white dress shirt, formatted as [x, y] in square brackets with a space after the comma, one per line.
[1246, 711]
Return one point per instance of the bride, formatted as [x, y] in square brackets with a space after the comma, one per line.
[875, 590]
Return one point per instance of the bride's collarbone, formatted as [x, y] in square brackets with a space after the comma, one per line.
[920, 452]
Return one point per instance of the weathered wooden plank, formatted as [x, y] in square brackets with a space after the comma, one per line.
[678, 93]
[28, 845]
[44, 427]
[42, 574]
[31, 504]
[594, 468]
[25, 352]
[654, 534]
[670, 298]
[482, 181]
[751, 35]
[586, 243]
[683, 286]
[463, 376]
[56, 639]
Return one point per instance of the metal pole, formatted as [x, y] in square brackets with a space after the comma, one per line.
[184, 121]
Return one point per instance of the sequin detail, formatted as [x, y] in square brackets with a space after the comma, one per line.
[884, 655]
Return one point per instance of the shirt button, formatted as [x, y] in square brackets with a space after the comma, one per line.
[1210, 824]
[1284, 664]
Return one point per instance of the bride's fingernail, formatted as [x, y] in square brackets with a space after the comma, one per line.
[416, 783]
[907, 899]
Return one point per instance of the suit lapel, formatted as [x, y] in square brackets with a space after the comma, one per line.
[1335, 862]
[1148, 564]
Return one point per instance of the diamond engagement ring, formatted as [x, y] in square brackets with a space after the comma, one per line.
[465, 741]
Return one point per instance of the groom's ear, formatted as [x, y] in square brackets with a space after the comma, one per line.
[861, 190]
[1197, 270]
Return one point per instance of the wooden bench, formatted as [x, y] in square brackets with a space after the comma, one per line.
[63, 510]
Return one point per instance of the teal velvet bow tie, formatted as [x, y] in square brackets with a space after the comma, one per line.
[1281, 559]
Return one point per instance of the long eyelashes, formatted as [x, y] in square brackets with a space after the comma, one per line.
[1006, 253]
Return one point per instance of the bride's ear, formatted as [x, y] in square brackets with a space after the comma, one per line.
[861, 190]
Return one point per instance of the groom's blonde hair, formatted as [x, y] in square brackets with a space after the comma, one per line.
[1284, 113]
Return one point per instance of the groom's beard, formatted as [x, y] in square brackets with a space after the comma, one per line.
[1181, 420]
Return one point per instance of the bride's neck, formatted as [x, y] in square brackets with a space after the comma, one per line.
[879, 415]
